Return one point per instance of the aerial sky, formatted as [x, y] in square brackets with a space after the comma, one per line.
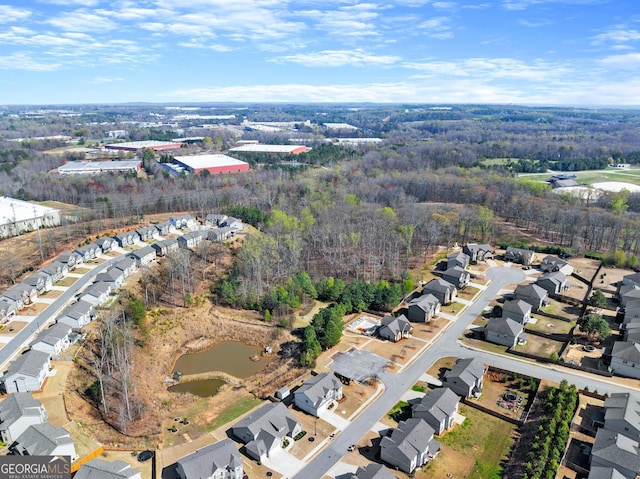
[529, 52]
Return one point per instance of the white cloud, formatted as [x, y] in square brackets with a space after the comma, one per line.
[212, 46]
[66, 3]
[437, 27]
[524, 4]
[338, 58]
[9, 14]
[617, 34]
[82, 21]
[21, 61]
[530, 24]
[107, 79]
[628, 61]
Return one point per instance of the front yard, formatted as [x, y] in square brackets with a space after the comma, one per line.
[539, 346]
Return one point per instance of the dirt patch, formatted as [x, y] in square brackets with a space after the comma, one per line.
[539, 346]
[34, 309]
[399, 352]
[12, 328]
[427, 331]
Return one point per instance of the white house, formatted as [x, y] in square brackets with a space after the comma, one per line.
[44, 440]
[96, 294]
[27, 373]
[318, 393]
[100, 469]
[78, 315]
[53, 340]
[18, 411]
[220, 460]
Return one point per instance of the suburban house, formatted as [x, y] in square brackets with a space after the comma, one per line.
[505, 331]
[165, 247]
[7, 310]
[622, 414]
[182, 221]
[614, 450]
[220, 460]
[444, 291]
[96, 294]
[372, 471]
[521, 256]
[550, 264]
[14, 297]
[163, 228]
[553, 283]
[89, 252]
[628, 293]
[625, 359]
[144, 255]
[213, 219]
[532, 294]
[27, 372]
[220, 234]
[113, 276]
[100, 469]
[53, 340]
[44, 440]
[263, 430]
[106, 243]
[395, 328]
[57, 270]
[23, 291]
[126, 239]
[191, 239]
[423, 308]
[518, 310]
[478, 252]
[438, 408]
[458, 259]
[410, 445]
[18, 411]
[40, 281]
[318, 393]
[597, 472]
[457, 276]
[234, 223]
[147, 233]
[466, 377]
[77, 315]
[72, 260]
[127, 265]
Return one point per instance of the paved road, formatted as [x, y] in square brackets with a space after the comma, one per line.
[447, 345]
[24, 335]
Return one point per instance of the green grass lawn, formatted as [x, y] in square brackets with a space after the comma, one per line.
[550, 326]
[486, 439]
[400, 412]
[68, 281]
[595, 176]
[234, 411]
[468, 293]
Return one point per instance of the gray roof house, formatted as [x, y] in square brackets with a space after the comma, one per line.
[77, 315]
[7, 310]
[411, 445]
[441, 289]
[53, 340]
[625, 359]
[532, 294]
[191, 239]
[505, 331]
[550, 263]
[438, 408]
[126, 239]
[100, 469]
[106, 243]
[553, 283]
[57, 270]
[263, 430]
[27, 372]
[89, 252]
[423, 308]
[15, 297]
[598, 472]
[214, 219]
[478, 252]
[23, 291]
[220, 234]
[628, 293]
[96, 293]
[40, 281]
[395, 328]
[466, 377]
[147, 233]
[182, 221]
[615, 450]
[518, 310]
[622, 414]
[457, 276]
[458, 259]
[165, 247]
[44, 440]
[372, 471]
[220, 460]
[163, 228]
[113, 276]
[318, 393]
[72, 260]
[18, 411]
[127, 265]
[144, 255]
[524, 257]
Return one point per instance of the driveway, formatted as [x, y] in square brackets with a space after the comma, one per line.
[283, 463]
[336, 420]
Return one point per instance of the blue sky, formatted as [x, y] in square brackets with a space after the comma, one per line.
[538, 52]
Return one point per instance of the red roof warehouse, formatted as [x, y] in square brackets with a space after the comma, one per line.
[211, 163]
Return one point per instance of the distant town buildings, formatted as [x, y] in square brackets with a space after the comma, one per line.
[275, 149]
[141, 145]
[96, 167]
[211, 163]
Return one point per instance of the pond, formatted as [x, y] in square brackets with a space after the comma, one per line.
[229, 357]
[202, 388]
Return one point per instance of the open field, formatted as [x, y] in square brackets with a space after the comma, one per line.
[594, 176]
[541, 347]
[550, 325]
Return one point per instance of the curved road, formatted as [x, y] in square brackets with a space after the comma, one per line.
[446, 345]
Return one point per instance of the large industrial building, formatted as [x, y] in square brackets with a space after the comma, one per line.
[97, 167]
[142, 145]
[211, 163]
[285, 149]
[17, 217]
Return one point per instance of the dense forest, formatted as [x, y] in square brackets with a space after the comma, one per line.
[356, 213]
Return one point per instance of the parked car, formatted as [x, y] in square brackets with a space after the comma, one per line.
[145, 455]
